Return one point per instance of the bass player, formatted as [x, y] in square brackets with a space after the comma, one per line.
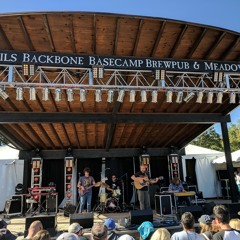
[142, 179]
[85, 185]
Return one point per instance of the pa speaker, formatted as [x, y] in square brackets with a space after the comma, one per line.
[139, 216]
[196, 211]
[85, 220]
[49, 223]
[69, 209]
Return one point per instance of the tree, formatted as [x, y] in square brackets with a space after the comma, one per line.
[209, 139]
[234, 136]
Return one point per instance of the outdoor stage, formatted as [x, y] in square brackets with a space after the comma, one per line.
[17, 224]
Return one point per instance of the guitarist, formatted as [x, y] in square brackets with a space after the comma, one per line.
[85, 185]
[143, 194]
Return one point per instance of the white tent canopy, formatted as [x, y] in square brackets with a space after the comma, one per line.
[204, 169]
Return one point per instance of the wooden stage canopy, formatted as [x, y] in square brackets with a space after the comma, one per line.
[89, 125]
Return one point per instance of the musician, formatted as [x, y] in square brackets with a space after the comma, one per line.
[142, 177]
[176, 186]
[85, 185]
[114, 185]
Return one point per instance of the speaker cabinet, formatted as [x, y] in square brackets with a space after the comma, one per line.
[51, 203]
[69, 209]
[13, 207]
[163, 204]
[196, 211]
[85, 220]
[49, 223]
[139, 216]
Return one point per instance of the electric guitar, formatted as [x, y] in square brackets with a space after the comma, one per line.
[85, 190]
[139, 185]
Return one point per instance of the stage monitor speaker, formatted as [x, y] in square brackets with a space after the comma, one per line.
[69, 209]
[196, 211]
[234, 209]
[85, 220]
[139, 216]
[208, 208]
[51, 203]
[49, 223]
[13, 206]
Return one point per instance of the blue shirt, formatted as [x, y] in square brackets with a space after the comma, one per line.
[178, 188]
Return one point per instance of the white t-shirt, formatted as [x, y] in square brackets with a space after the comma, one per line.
[187, 235]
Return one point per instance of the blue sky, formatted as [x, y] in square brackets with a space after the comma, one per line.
[219, 13]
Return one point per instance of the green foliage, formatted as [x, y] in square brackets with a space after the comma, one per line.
[209, 139]
[234, 136]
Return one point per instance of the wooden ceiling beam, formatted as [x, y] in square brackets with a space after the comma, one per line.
[160, 32]
[214, 45]
[25, 33]
[116, 37]
[96, 153]
[196, 43]
[76, 135]
[43, 131]
[56, 135]
[59, 117]
[178, 41]
[49, 34]
[230, 48]
[140, 24]
[5, 38]
[94, 36]
[72, 34]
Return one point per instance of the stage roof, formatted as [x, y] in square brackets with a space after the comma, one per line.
[54, 125]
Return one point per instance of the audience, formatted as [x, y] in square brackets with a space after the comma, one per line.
[77, 229]
[34, 228]
[161, 234]
[222, 219]
[126, 237]
[146, 229]
[110, 224]
[235, 223]
[188, 232]
[207, 229]
[42, 235]
[5, 234]
[68, 236]
[99, 232]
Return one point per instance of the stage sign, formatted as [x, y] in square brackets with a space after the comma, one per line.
[115, 62]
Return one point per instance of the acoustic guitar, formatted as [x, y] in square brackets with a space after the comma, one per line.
[139, 185]
[85, 190]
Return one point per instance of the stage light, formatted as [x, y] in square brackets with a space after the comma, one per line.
[143, 96]
[28, 69]
[3, 94]
[169, 96]
[160, 74]
[82, 95]
[45, 92]
[179, 97]
[189, 97]
[132, 95]
[58, 94]
[110, 96]
[154, 96]
[232, 98]
[98, 71]
[121, 94]
[32, 93]
[98, 95]
[218, 76]
[210, 97]
[219, 97]
[70, 95]
[199, 97]
[19, 93]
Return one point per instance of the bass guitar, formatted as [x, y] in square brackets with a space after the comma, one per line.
[145, 182]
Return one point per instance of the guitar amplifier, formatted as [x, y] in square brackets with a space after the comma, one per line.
[13, 207]
[163, 204]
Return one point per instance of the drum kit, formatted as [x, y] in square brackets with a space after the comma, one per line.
[109, 202]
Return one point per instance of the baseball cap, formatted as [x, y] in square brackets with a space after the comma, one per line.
[205, 219]
[68, 236]
[74, 228]
[110, 224]
[126, 237]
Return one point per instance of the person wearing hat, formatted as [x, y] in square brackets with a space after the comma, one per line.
[77, 229]
[207, 229]
[146, 229]
[126, 237]
[68, 236]
[110, 224]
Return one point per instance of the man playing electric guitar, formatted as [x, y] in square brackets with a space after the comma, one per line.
[85, 185]
[142, 179]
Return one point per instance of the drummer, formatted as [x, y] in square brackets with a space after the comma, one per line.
[114, 186]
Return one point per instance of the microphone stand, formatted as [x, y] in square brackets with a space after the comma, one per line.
[124, 205]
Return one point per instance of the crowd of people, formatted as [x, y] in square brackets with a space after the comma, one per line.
[218, 227]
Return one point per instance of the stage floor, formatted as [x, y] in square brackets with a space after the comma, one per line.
[17, 224]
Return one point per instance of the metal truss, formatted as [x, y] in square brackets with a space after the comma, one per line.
[76, 78]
